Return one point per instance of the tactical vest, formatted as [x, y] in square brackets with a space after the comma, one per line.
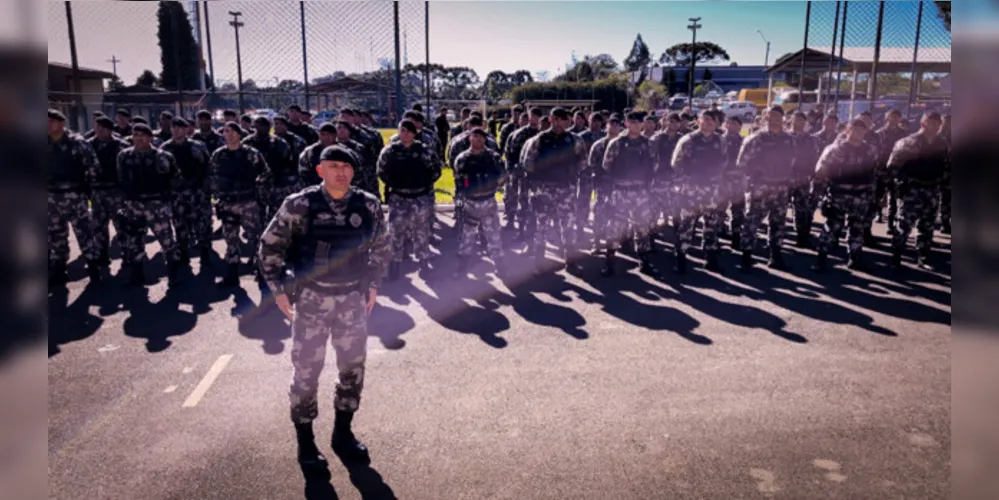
[633, 166]
[408, 175]
[140, 178]
[66, 174]
[857, 170]
[481, 174]
[236, 175]
[193, 171]
[928, 168]
[107, 155]
[334, 248]
[556, 161]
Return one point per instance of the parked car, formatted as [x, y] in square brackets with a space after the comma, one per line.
[266, 112]
[745, 110]
[324, 116]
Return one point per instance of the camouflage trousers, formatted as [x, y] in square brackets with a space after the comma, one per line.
[602, 214]
[838, 209]
[367, 180]
[410, 220]
[919, 207]
[515, 198]
[321, 318]
[945, 199]
[884, 190]
[275, 198]
[735, 199]
[553, 207]
[235, 215]
[105, 206]
[700, 200]
[138, 218]
[804, 204]
[584, 195]
[662, 199]
[768, 201]
[480, 217]
[69, 209]
[632, 213]
[192, 212]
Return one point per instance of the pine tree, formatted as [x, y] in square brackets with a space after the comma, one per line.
[176, 39]
[639, 57]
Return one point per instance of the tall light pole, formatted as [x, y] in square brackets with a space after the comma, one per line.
[766, 57]
[236, 24]
[693, 26]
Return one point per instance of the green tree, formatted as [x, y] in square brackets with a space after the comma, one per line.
[176, 39]
[148, 78]
[681, 54]
[639, 56]
[115, 84]
[707, 74]
[943, 11]
[651, 95]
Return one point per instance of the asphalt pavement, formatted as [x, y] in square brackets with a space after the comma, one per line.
[767, 385]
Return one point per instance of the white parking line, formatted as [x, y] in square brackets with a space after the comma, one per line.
[170, 389]
[206, 383]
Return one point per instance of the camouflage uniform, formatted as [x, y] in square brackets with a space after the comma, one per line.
[921, 166]
[309, 160]
[767, 160]
[515, 196]
[409, 175]
[284, 172]
[306, 132]
[699, 162]
[734, 192]
[233, 181]
[664, 198]
[602, 211]
[629, 167]
[886, 186]
[806, 147]
[212, 140]
[147, 180]
[296, 143]
[552, 162]
[191, 205]
[425, 135]
[459, 145]
[105, 198]
[73, 168]
[373, 142]
[338, 249]
[845, 179]
[585, 193]
[480, 174]
[506, 132]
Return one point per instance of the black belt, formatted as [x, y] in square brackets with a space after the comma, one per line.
[150, 197]
[410, 193]
[334, 288]
[285, 181]
[237, 197]
[631, 184]
[65, 190]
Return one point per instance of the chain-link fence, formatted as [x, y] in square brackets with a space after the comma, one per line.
[247, 56]
[877, 56]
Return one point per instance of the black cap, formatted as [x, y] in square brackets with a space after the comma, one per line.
[560, 113]
[478, 131]
[295, 107]
[476, 121]
[142, 128]
[339, 153]
[408, 125]
[104, 122]
[634, 116]
[55, 114]
[123, 112]
[179, 122]
[262, 120]
[139, 119]
[327, 127]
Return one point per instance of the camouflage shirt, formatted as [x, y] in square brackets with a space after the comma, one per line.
[277, 154]
[663, 145]
[920, 160]
[305, 131]
[590, 138]
[767, 158]
[289, 223]
[244, 157]
[396, 157]
[133, 167]
[515, 146]
[107, 160]
[479, 174]
[463, 143]
[309, 160]
[629, 159]
[807, 151]
[699, 158]
[846, 166]
[192, 158]
[73, 164]
[825, 138]
[595, 162]
[213, 140]
[505, 132]
[296, 143]
[887, 137]
[550, 157]
[732, 144]
[425, 136]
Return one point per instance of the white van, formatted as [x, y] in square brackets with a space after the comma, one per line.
[745, 110]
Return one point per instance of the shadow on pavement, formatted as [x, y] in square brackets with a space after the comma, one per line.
[70, 322]
[388, 325]
[317, 483]
[449, 310]
[156, 322]
[369, 482]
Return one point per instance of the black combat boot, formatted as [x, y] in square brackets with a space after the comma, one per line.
[231, 277]
[462, 269]
[869, 240]
[105, 258]
[946, 229]
[776, 260]
[608, 269]
[652, 244]
[736, 241]
[425, 268]
[393, 270]
[896, 258]
[747, 261]
[628, 246]
[646, 266]
[173, 272]
[711, 262]
[820, 261]
[94, 271]
[923, 259]
[58, 275]
[185, 255]
[680, 261]
[138, 275]
[206, 255]
[344, 443]
[801, 241]
[308, 452]
[855, 261]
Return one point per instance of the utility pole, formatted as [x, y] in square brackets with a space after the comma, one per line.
[236, 24]
[426, 34]
[398, 69]
[77, 116]
[766, 55]
[804, 56]
[693, 26]
[208, 40]
[305, 57]
[114, 65]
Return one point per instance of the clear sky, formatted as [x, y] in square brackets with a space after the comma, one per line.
[484, 35]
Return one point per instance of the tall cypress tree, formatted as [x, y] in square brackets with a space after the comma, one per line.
[176, 39]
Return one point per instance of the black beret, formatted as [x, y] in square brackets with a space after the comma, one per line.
[233, 126]
[57, 115]
[518, 109]
[596, 116]
[295, 107]
[413, 115]
[635, 116]
[346, 124]
[230, 112]
[142, 128]
[327, 127]
[261, 120]
[179, 122]
[475, 121]
[339, 153]
[408, 125]
[418, 107]
[479, 131]
[104, 122]
[281, 119]
[536, 112]
[139, 119]
[123, 112]
[560, 113]
[166, 114]
[614, 120]
[204, 113]
[246, 117]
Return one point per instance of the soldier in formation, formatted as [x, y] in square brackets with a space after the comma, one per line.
[602, 212]
[479, 171]
[885, 187]
[191, 205]
[516, 197]
[281, 163]
[105, 196]
[584, 196]
[806, 154]
[309, 160]
[699, 164]
[664, 202]
[334, 238]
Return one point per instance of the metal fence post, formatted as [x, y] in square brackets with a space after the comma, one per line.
[398, 68]
[913, 84]
[77, 110]
[872, 82]
[305, 56]
[804, 55]
[208, 41]
[832, 53]
[839, 63]
[426, 31]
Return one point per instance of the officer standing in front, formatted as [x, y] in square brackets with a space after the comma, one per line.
[237, 172]
[73, 168]
[844, 177]
[699, 162]
[148, 176]
[552, 160]
[629, 167]
[105, 198]
[283, 167]
[409, 169]
[767, 158]
[480, 173]
[334, 239]
[191, 197]
[921, 165]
